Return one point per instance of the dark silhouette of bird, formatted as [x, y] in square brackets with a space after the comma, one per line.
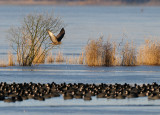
[56, 40]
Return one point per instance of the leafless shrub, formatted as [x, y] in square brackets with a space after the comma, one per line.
[31, 41]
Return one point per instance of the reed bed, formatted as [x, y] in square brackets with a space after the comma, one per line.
[149, 53]
[94, 53]
[66, 59]
[72, 60]
[40, 57]
[59, 57]
[109, 54]
[98, 53]
[3, 63]
[128, 55]
[50, 58]
[11, 61]
[81, 58]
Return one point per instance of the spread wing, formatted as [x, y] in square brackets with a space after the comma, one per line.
[52, 36]
[60, 35]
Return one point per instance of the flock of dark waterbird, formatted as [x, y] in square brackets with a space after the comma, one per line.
[23, 91]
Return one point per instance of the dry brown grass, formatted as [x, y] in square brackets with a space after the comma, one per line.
[3, 64]
[59, 57]
[11, 61]
[75, 59]
[72, 60]
[81, 58]
[40, 57]
[98, 53]
[94, 53]
[109, 54]
[128, 55]
[149, 54]
[50, 58]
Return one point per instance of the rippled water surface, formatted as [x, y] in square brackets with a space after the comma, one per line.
[84, 23]
[60, 73]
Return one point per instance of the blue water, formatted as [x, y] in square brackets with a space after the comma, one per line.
[84, 23]
[89, 22]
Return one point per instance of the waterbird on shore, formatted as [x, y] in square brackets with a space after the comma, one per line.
[56, 40]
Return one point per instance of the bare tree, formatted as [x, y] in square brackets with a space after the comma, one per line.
[31, 41]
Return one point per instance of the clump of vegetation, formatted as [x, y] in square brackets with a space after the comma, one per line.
[50, 58]
[94, 53]
[149, 54]
[11, 61]
[59, 57]
[128, 55]
[3, 64]
[31, 41]
[81, 58]
[72, 60]
[109, 54]
[98, 53]
[40, 57]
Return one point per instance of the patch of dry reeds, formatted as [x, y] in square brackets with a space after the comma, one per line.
[98, 53]
[40, 57]
[149, 54]
[59, 57]
[72, 60]
[128, 55]
[109, 54]
[11, 61]
[81, 58]
[3, 64]
[94, 53]
[50, 58]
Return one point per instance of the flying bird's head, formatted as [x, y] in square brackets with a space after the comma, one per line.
[47, 30]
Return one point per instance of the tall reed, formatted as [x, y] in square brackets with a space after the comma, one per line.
[109, 53]
[128, 55]
[59, 57]
[50, 58]
[3, 63]
[11, 61]
[94, 53]
[81, 58]
[72, 60]
[40, 57]
[149, 53]
[98, 53]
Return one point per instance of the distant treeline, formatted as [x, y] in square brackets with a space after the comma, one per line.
[87, 0]
[83, 2]
[127, 1]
